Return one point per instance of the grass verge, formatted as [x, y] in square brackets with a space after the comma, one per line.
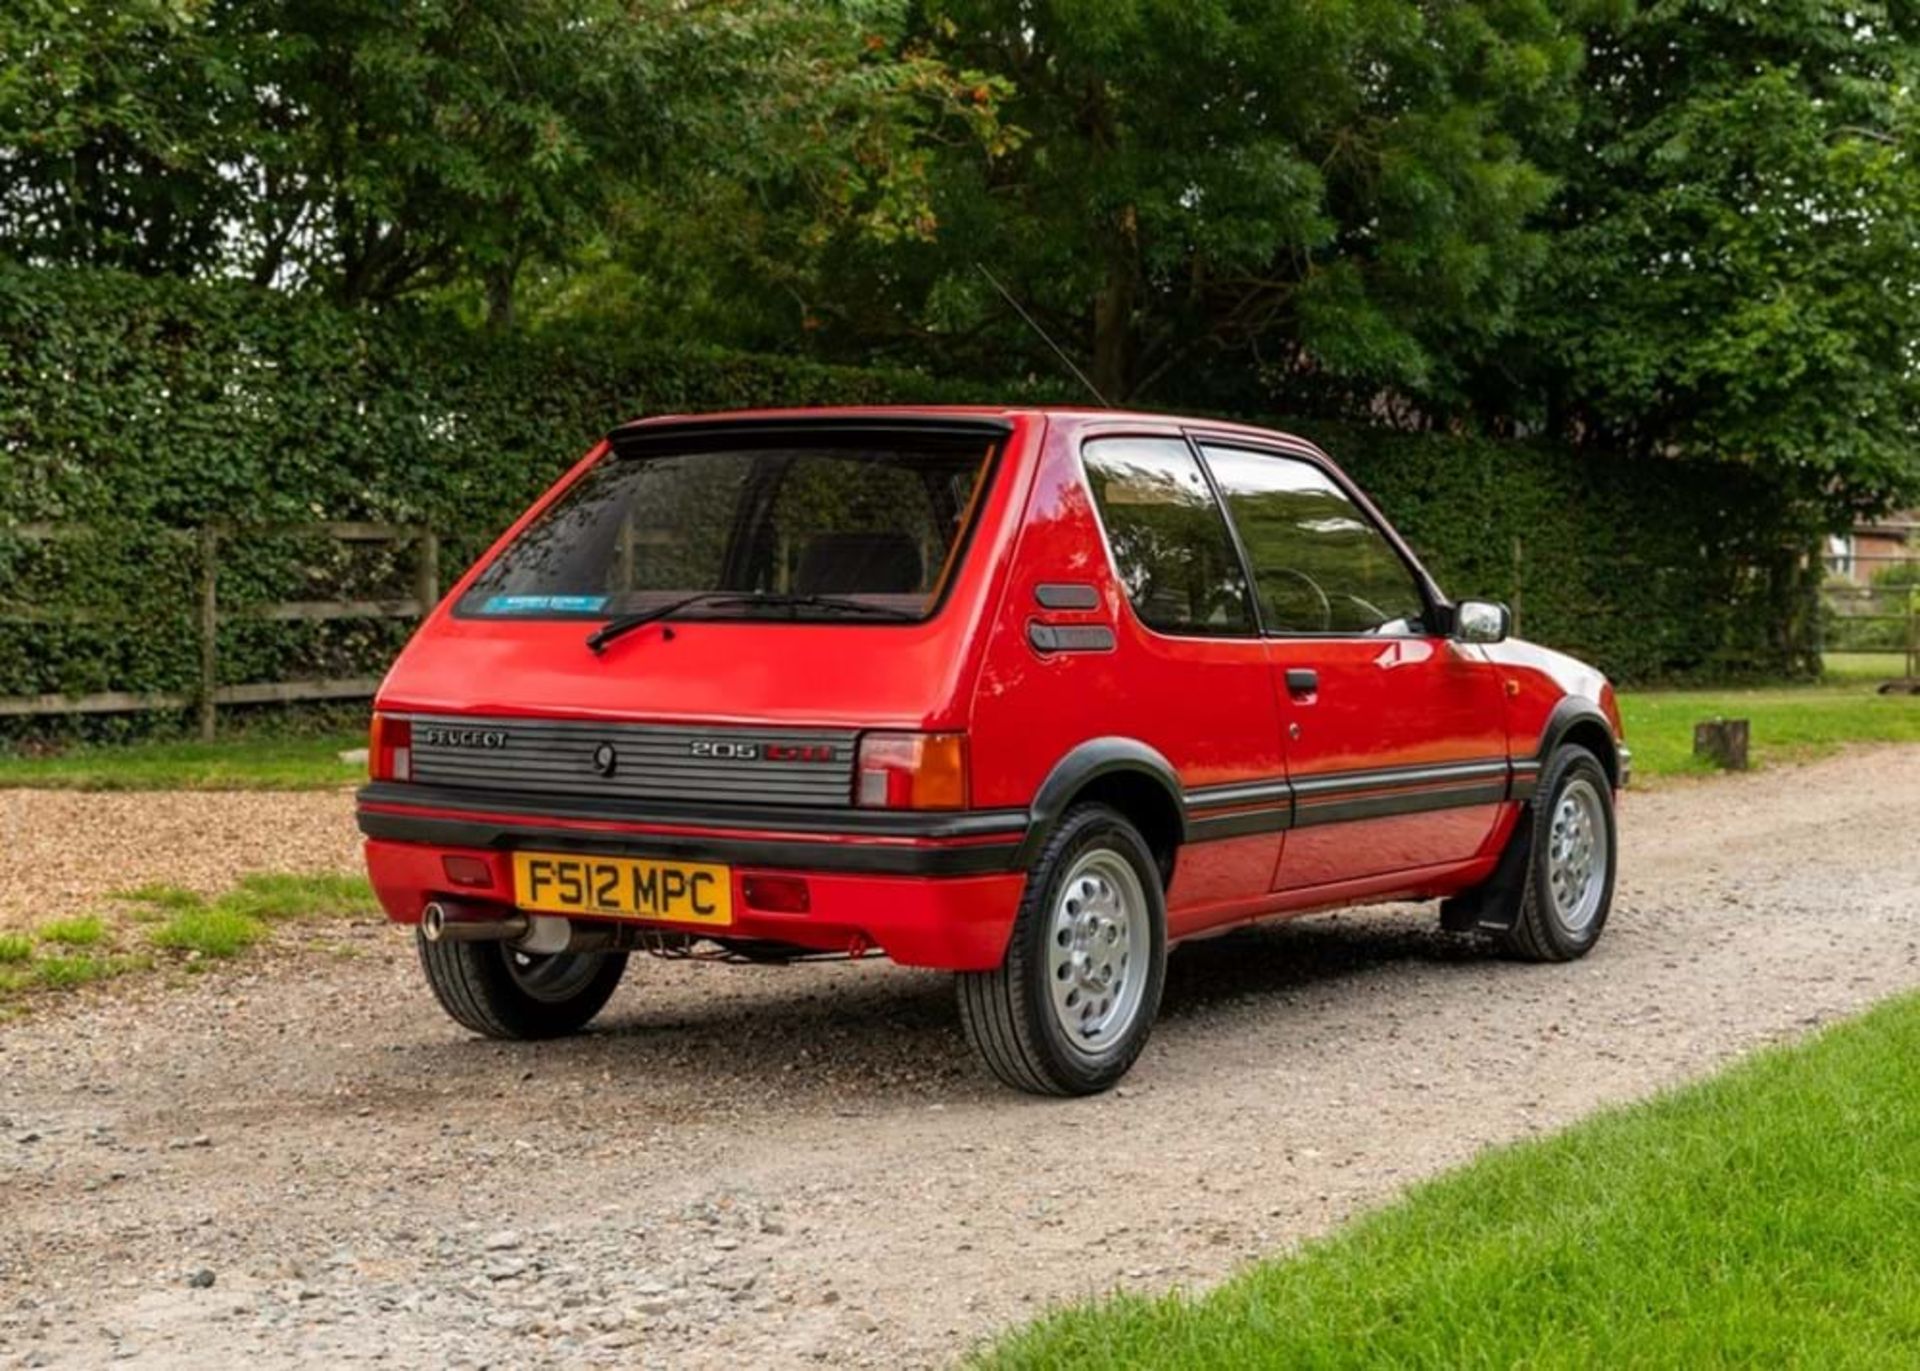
[81, 932]
[1789, 723]
[266, 763]
[165, 925]
[1768, 1216]
[210, 931]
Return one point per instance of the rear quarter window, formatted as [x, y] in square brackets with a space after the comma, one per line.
[1170, 543]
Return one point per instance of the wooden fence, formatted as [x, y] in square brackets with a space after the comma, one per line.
[1855, 594]
[209, 695]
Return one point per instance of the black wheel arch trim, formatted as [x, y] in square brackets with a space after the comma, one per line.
[1577, 709]
[1089, 762]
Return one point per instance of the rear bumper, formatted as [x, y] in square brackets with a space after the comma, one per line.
[942, 897]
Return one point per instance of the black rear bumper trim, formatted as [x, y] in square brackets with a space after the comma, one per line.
[971, 859]
[839, 822]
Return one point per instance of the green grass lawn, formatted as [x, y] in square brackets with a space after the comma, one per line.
[245, 763]
[1770, 1216]
[1787, 723]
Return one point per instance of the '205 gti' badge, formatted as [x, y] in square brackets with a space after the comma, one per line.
[726, 750]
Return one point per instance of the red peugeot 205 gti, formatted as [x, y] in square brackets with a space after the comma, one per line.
[1026, 695]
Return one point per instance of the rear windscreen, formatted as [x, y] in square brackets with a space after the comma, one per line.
[879, 522]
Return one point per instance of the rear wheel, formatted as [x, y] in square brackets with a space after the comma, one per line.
[1072, 1004]
[500, 992]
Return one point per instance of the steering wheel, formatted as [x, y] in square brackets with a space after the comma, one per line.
[1380, 616]
[1326, 605]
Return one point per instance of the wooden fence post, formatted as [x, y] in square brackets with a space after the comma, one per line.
[1913, 633]
[209, 629]
[426, 571]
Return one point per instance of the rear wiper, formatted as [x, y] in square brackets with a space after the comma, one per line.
[626, 623]
[839, 604]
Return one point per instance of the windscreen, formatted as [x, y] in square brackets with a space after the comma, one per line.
[787, 526]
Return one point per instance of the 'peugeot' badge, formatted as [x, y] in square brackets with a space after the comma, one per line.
[605, 759]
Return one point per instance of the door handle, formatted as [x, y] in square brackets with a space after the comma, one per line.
[1302, 680]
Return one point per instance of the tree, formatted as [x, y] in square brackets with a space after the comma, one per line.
[119, 124]
[374, 149]
[1327, 192]
[1735, 271]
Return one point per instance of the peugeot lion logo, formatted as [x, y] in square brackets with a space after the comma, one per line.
[605, 759]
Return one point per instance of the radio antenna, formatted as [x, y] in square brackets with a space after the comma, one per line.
[1034, 324]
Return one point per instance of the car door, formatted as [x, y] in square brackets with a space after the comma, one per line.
[1191, 676]
[1395, 734]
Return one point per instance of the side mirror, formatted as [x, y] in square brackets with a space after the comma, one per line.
[1481, 621]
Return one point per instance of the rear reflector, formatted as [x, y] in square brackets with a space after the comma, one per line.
[467, 870]
[776, 894]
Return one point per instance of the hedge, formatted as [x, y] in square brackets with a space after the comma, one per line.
[135, 405]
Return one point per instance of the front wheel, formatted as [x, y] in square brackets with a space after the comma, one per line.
[1073, 1002]
[1567, 892]
[500, 992]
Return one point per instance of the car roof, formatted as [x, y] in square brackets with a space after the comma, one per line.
[1071, 414]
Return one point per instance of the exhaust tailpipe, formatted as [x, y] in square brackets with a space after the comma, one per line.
[446, 923]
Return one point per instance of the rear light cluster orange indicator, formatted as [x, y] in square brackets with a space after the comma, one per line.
[390, 749]
[911, 771]
[776, 894]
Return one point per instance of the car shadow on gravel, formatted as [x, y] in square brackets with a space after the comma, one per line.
[837, 1034]
[1271, 960]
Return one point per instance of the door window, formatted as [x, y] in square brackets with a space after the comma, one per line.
[1321, 565]
[1170, 542]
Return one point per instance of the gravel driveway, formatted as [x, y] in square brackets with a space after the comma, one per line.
[776, 1167]
[65, 849]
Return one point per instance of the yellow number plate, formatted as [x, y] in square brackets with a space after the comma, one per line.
[623, 887]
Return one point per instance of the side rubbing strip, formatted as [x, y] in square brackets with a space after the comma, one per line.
[1231, 811]
[1067, 595]
[1526, 776]
[1334, 809]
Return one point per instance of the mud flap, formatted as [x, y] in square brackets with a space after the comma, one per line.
[1494, 904]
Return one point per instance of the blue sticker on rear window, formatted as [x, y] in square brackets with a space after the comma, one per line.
[543, 604]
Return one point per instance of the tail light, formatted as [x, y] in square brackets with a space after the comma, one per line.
[390, 749]
[911, 771]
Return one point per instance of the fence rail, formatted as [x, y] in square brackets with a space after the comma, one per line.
[209, 695]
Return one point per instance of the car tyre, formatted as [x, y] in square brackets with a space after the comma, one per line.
[1073, 1002]
[1567, 889]
[499, 992]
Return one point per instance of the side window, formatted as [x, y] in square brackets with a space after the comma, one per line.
[1170, 542]
[1321, 565]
